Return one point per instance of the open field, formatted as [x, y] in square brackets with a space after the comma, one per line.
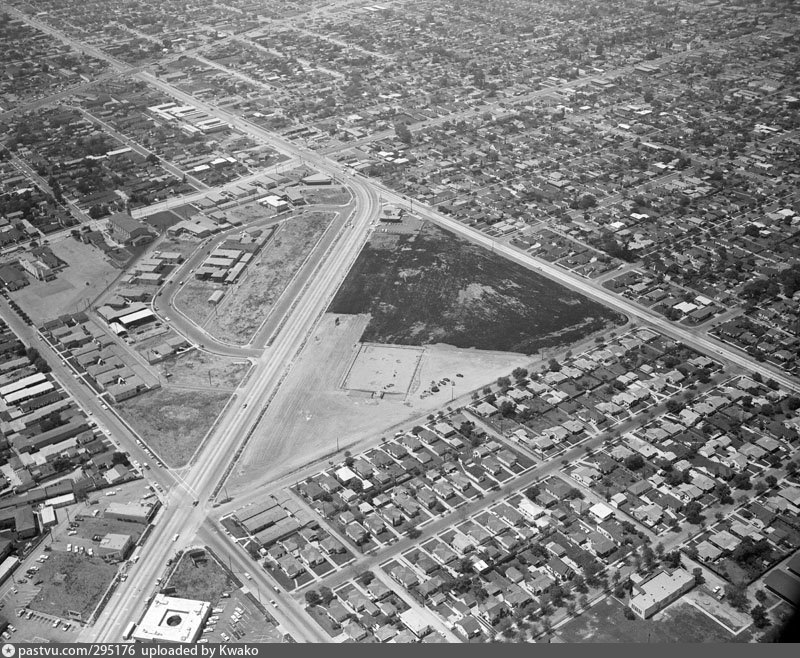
[184, 245]
[198, 369]
[335, 195]
[72, 582]
[200, 578]
[311, 410]
[248, 212]
[434, 287]
[192, 300]
[88, 273]
[383, 368]
[680, 622]
[173, 422]
[249, 302]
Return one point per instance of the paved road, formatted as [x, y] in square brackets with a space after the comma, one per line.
[164, 301]
[107, 419]
[181, 518]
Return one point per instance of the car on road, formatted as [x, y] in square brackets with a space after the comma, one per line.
[273, 603]
[56, 623]
[175, 538]
[248, 576]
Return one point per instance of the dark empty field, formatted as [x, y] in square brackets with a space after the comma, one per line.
[434, 287]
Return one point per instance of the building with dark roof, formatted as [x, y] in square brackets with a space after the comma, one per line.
[784, 585]
[127, 230]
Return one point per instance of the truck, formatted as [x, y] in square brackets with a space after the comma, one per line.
[129, 631]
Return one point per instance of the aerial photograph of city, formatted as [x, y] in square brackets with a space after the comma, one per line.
[426, 321]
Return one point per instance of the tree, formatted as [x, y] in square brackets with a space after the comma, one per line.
[741, 481]
[554, 365]
[573, 493]
[313, 597]
[634, 462]
[532, 492]
[760, 617]
[692, 511]
[697, 572]
[413, 533]
[761, 596]
[507, 408]
[674, 406]
[403, 133]
[673, 559]
[737, 596]
[326, 594]
[519, 373]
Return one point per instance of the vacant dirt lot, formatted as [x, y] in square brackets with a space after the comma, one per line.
[85, 277]
[386, 368]
[198, 369]
[173, 421]
[434, 287]
[680, 622]
[192, 300]
[335, 195]
[72, 582]
[248, 212]
[202, 579]
[311, 410]
[249, 302]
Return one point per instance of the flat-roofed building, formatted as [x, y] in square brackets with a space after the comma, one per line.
[659, 591]
[174, 620]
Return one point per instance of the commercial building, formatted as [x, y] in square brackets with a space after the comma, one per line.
[128, 230]
[130, 512]
[115, 546]
[170, 619]
[659, 591]
[8, 567]
[784, 585]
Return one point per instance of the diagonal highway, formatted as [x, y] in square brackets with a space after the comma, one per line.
[180, 516]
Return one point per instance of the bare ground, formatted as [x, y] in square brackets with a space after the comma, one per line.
[249, 302]
[69, 292]
[203, 370]
[173, 421]
[72, 582]
[311, 410]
